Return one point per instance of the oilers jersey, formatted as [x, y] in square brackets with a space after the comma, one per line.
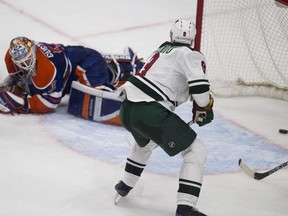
[56, 67]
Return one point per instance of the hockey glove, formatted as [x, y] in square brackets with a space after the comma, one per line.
[203, 115]
[11, 103]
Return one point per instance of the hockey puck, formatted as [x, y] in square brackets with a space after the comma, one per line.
[283, 131]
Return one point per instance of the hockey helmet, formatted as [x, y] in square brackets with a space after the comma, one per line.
[23, 53]
[183, 31]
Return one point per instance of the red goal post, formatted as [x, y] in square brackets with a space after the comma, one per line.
[246, 46]
[282, 3]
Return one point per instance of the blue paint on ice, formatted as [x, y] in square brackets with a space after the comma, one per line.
[225, 141]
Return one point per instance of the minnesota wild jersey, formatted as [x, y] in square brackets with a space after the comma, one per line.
[171, 74]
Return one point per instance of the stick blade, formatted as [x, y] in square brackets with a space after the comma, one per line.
[246, 169]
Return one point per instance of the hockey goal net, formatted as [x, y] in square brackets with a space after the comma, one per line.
[245, 43]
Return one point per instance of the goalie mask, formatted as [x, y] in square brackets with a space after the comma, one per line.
[183, 31]
[23, 53]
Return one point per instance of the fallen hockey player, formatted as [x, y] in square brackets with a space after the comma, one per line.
[41, 74]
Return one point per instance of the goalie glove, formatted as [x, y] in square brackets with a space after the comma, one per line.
[11, 103]
[8, 84]
[203, 115]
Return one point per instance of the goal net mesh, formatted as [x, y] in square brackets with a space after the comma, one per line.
[245, 43]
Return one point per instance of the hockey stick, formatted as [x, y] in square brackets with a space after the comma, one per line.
[258, 175]
[190, 123]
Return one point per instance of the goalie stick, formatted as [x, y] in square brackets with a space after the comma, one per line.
[258, 175]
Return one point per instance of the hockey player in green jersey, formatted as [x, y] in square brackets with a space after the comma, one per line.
[174, 73]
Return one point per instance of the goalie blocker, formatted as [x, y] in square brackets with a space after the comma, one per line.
[93, 104]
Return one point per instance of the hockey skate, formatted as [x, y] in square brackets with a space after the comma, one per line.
[185, 210]
[122, 190]
[129, 51]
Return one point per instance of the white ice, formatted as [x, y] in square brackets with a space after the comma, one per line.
[60, 165]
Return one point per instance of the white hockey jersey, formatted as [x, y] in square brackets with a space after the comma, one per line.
[172, 73]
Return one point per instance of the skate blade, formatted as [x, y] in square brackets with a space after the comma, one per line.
[117, 199]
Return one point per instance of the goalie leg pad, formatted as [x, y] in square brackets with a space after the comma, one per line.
[93, 104]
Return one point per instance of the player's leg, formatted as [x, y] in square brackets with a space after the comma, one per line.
[191, 177]
[178, 136]
[135, 164]
[93, 104]
[141, 148]
[121, 67]
[93, 72]
[191, 174]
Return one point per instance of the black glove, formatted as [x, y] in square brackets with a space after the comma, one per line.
[203, 115]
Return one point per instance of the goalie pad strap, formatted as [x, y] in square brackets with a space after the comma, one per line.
[118, 57]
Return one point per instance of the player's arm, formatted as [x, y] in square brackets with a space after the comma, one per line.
[199, 89]
[10, 82]
[47, 90]
[44, 103]
[203, 113]
[14, 99]
[12, 103]
[5, 85]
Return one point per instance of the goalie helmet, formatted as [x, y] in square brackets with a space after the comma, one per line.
[23, 53]
[183, 31]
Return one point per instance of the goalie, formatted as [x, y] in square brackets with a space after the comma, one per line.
[41, 74]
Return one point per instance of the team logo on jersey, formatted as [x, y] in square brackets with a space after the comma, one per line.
[172, 144]
[52, 87]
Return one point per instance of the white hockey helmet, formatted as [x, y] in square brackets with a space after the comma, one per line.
[23, 53]
[183, 31]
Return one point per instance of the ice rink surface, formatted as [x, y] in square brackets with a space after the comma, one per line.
[60, 165]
